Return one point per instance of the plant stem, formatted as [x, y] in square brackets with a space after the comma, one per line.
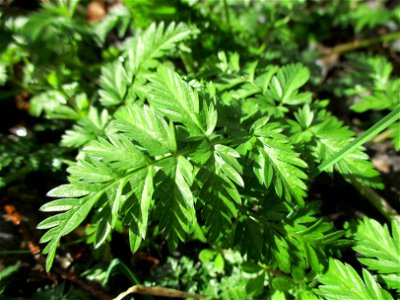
[157, 291]
[383, 136]
[377, 201]
[228, 19]
[346, 47]
[366, 136]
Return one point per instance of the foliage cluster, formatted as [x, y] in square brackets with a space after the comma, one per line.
[204, 123]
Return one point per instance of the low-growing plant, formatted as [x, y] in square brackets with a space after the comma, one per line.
[219, 151]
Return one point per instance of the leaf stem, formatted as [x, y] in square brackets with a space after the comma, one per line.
[347, 47]
[157, 291]
[376, 200]
[228, 19]
[383, 136]
[366, 136]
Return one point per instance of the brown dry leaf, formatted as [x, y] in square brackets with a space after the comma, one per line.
[382, 163]
[22, 101]
[96, 10]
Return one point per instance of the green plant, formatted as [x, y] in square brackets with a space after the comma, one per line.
[375, 89]
[199, 129]
[380, 253]
[178, 152]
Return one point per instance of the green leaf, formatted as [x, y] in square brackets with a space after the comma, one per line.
[219, 263]
[218, 193]
[124, 81]
[67, 191]
[60, 204]
[334, 145]
[150, 131]
[380, 250]
[102, 227]
[175, 208]
[176, 100]
[249, 238]
[70, 220]
[206, 255]
[341, 281]
[118, 152]
[87, 129]
[155, 42]
[285, 84]
[225, 158]
[53, 103]
[114, 81]
[137, 205]
[275, 161]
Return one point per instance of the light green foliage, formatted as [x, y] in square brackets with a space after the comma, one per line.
[380, 250]
[171, 159]
[382, 90]
[177, 100]
[59, 225]
[86, 129]
[375, 88]
[330, 136]
[150, 131]
[284, 86]
[222, 275]
[165, 157]
[275, 161]
[196, 124]
[369, 16]
[124, 79]
[342, 282]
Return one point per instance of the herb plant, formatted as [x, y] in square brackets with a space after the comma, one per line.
[185, 131]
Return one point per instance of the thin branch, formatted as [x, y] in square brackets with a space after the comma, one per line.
[383, 136]
[357, 44]
[157, 291]
[377, 201]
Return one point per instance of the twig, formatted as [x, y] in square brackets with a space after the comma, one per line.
[377, 201]
[383, 136]
[157, 291]
[347, 47]
[357, 44]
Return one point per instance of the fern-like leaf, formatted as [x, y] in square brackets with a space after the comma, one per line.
[284, 86]
[137, 205]
[114, 84]
[175, 99]
[152, 132]
[329, 137]
[275, 161]
[175, 206]
[380, 250]
[341, 281]
[87, 129]
[122, 81]
[61, 224]
[218, 192]
[154, 43]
